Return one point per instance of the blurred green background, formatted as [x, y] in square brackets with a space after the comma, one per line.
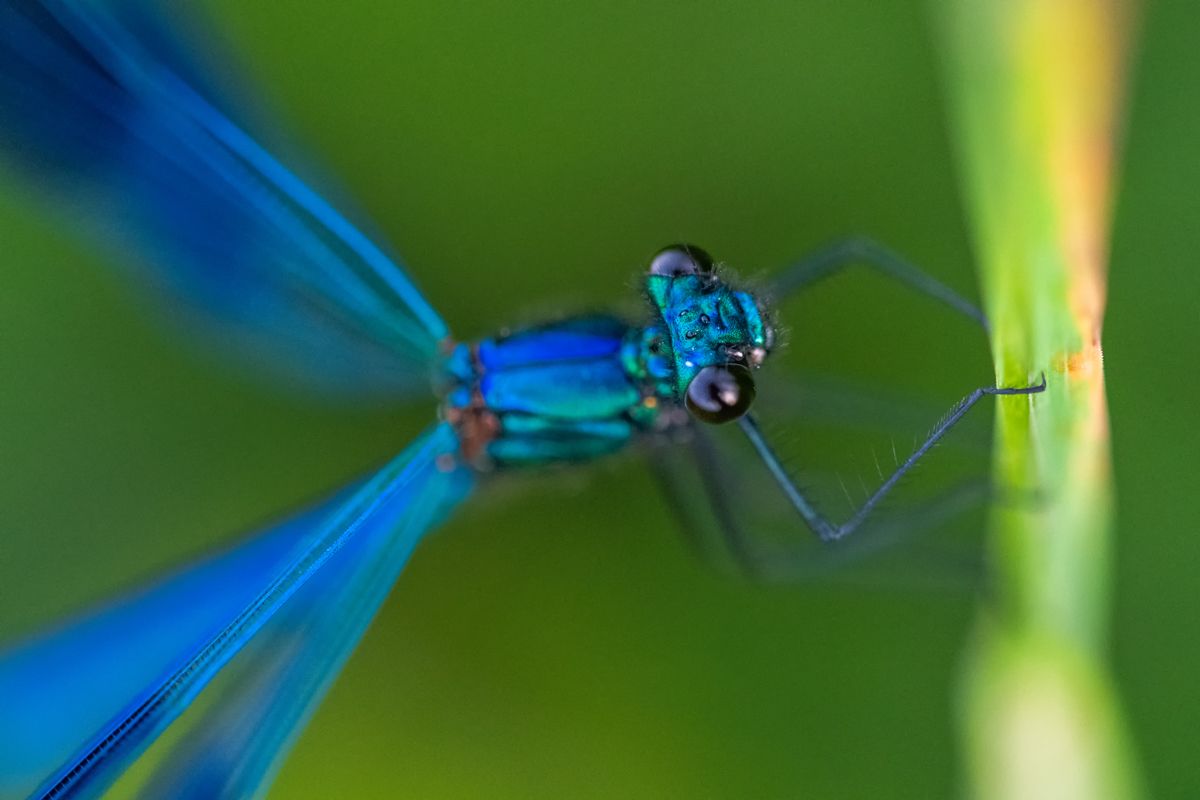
[526, 158]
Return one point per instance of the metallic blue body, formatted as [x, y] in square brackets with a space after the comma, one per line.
[585, 386]
[556, 392]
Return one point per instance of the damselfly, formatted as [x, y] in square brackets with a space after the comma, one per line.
[103, 104]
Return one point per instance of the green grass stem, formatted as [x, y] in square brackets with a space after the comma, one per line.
[1035, 89]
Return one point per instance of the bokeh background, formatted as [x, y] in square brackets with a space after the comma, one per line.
[557, 638]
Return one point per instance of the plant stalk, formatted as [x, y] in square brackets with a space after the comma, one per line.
[1035, 90]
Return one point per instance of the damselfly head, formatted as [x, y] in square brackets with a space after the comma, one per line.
[717, 333]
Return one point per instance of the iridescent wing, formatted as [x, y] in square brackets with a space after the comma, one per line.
[286, 609]
[62, 686]
[142, 154]
[240, 740]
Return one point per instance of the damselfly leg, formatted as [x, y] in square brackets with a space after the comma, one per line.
[852, 251]
[822, 264]
[829, 531]
[762, 547]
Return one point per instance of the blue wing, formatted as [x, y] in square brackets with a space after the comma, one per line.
[82, 704]
[109, 120]
[275, 685]
[65, 684]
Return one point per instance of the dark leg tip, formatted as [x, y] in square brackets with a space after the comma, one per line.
[1037, 388]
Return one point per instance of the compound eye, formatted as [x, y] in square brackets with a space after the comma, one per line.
[681, 259]
[720, 394]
